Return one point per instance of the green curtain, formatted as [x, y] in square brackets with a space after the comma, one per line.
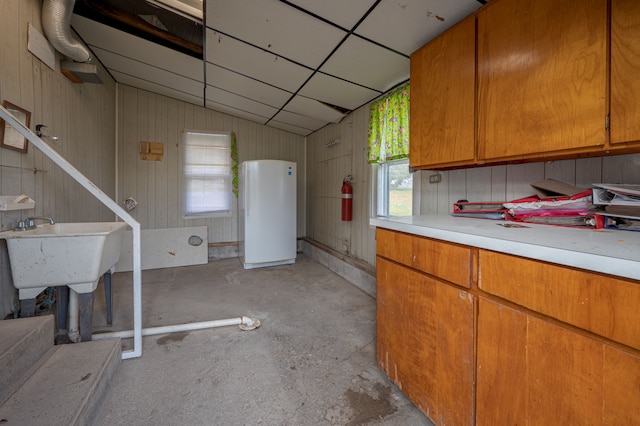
[234, 164]
[389, 126]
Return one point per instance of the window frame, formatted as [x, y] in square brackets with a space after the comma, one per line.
[380, 188]
[204, 214]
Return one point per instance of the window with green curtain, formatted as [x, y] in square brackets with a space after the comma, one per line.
[389, 126]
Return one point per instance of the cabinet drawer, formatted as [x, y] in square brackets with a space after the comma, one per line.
[601, 304]
[447, 261]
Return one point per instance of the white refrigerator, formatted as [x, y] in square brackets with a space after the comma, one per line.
[267, 213]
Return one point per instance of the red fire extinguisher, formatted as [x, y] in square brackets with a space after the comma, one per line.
[347, 199]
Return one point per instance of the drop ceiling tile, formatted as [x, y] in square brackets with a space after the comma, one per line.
[368, 64]
[290, 128]
[337, 92]
[235, 112]
[253, 62]
[422, 20]
[123, 65]
[315, 109]
[244, 86]
[299, 120]
[276, 27]
[238, 102]
[156, 88]
[344, 13]
[97, 35]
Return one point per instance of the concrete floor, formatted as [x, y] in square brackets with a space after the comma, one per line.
[312, 362]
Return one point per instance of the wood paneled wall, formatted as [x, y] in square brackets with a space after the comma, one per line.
[81, 115]
[156, 185]
[326, 168]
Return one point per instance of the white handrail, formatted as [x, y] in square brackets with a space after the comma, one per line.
[112, 205]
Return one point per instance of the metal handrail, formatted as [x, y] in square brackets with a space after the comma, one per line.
[112, 205]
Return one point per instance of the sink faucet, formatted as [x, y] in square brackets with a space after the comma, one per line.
[31, 220]
[30, 223]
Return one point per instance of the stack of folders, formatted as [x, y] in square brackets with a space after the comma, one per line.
[557, 203]
[480, 210]
[575, 210]
[621, 205]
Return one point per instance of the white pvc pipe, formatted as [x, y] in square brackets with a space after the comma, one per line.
[117, 133]
[74, 321]
[112, 205]
[152, 331]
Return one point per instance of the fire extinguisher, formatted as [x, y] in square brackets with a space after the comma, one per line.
[347, 199]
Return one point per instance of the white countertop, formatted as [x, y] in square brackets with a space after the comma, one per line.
[603, 250]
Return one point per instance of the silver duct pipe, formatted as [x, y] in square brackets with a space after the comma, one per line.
[56, 21]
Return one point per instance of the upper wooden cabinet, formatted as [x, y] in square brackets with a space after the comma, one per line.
[540, 87]
[542, 78]
[442, 99]
[625, 68]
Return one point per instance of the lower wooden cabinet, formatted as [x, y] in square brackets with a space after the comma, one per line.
[425, 341]
[511, 341]
[532, 371]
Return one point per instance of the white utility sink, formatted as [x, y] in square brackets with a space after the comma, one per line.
[71, 254]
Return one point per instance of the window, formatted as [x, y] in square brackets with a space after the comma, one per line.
[393, 192]
[207, 174]
[392, 188]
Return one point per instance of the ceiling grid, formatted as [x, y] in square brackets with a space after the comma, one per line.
[296, 65]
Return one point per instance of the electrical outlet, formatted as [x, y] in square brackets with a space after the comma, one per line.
[437, 178]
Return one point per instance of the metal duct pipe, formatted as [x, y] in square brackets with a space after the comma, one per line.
[56, 21]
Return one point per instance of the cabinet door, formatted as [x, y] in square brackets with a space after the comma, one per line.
[425, 341]
[625, 68]
[442, 98]
[541, 78]
[531, 371]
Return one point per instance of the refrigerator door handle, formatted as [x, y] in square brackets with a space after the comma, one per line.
[247, 194]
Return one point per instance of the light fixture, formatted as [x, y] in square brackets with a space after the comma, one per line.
[333, 142]
[41, 135]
